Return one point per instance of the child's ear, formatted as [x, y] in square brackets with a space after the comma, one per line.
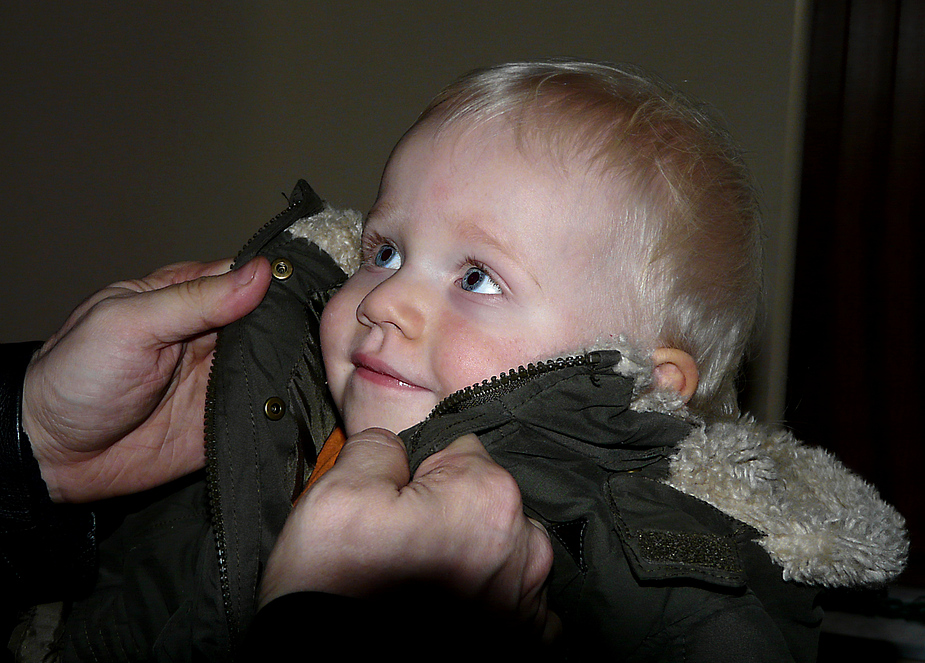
[676, 370]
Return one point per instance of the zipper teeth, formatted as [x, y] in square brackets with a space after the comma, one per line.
[500, 384]
[212, 479]
[212, 487]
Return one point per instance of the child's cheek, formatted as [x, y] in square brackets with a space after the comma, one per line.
[337, 321]
[469, 352]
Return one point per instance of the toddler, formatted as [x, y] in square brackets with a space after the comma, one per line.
[585, 243]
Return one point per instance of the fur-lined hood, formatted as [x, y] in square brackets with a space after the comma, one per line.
[820, 522]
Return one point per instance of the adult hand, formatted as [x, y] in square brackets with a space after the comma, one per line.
[113, 402]
[366, 527]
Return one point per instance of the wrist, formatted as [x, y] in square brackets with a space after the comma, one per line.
[35, 436]
[49, 549]
[21, 483]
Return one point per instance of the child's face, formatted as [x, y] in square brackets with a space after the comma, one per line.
[476, 259]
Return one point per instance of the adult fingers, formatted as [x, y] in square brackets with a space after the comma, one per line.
[525, 548]
[464, 455]
[160, 278]
[482, 493]
[334, 540]
[537, 565]
[467, 444]
[177, 273]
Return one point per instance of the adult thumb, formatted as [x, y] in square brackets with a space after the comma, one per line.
[188, 308]
[373, 457]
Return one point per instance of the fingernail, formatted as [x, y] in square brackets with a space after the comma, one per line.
[245, 273]
[538, 525]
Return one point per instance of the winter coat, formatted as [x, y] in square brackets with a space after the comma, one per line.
[673, 539]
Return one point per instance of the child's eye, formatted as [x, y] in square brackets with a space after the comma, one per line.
[477, 281]
[387, 256]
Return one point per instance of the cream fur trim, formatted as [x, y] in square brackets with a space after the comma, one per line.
[336, 232]
[823, 524]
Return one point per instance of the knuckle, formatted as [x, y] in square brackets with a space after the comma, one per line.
[504, 489]
[167, 274]
[109, 312]
[189, 297]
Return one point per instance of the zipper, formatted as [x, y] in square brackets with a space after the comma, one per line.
[507, 382]
[214, 493]
[212, 475]
[502, 384]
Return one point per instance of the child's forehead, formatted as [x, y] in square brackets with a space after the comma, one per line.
[532, 151]
[570, 190]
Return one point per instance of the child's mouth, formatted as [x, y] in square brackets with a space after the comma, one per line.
[380, 373]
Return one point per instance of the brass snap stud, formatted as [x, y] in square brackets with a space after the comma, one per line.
[274, 408]
[281, 269]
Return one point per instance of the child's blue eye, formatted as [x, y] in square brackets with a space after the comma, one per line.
[388, 257]
[477, 281]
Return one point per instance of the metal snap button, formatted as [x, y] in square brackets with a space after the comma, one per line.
[274, 408]
[281, 269]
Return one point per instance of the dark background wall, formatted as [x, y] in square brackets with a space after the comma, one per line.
[137, 134]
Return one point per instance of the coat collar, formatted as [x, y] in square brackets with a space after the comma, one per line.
[820, 522]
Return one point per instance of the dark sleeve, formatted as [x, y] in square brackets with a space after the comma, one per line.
[412, 622]
[47, 550]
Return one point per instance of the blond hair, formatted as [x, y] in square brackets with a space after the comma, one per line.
[692, 213]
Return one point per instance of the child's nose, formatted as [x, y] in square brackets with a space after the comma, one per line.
[397, 302]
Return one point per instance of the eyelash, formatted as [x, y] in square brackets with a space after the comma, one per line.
[370, 246]
[472, 262]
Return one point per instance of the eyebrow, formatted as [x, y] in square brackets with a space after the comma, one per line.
[380, 209]
[474, 233]
[464, 228]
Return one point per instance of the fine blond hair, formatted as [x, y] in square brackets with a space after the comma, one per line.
[687, 206]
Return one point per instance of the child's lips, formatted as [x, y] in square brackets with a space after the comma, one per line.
[378, 372]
